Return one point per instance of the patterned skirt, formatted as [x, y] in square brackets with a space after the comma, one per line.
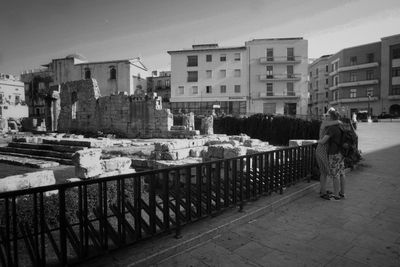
[321, 154]
[336, 165]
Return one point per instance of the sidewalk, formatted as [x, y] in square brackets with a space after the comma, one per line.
[361, 230]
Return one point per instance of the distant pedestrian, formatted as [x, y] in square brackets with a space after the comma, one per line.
[354, 121]
[321, 154]
[332, 137]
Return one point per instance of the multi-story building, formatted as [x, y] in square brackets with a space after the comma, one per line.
[264, 76]
[363, 79]
[12, 97]
[318, 86]
[160, 84]
[127, 75]
[209, 77]
[277, 76]
[390, 74]
[355, 79]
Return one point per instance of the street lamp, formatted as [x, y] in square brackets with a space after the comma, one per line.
[368, 112]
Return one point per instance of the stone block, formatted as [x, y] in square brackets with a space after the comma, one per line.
[87, 157]
[115, 173]
[178, 128]
[85, 172]
[252, 142]
[169, 155]
[232, 152]
[116, 164]
[217, 151]
[293, 143]
[27, 180]
[259, 149]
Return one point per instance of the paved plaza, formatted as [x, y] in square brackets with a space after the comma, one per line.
[361, 230]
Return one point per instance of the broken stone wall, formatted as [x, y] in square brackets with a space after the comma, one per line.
[83, 110]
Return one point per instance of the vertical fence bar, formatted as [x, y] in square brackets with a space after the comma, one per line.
[254, 175]
[85, 220]
[177, 204]
[80, 219]
[42, 230]
[122, 210]
[199, 181]
[63, 226]
[188, 196]
[241, 184]
[234, 180]
[137, 206]
[119, 221]
[248, 178]
[15, 232]
[36, 229]
[104, 215]
[208, 188]
[7, 233]
[152, 204]
[165, 177]
[260, 173]
[218, 185]
[226, 183]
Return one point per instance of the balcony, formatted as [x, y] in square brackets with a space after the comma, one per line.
[280, 60]
[358, 67]
[354, 100]
[280, 95]
[280, 77]
[356, 83]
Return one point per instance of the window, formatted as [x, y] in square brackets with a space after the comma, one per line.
[237, 89]
[290, 54]
[195, 90]
[270, 71]
[326, 81]
[208, 74]
[208, 89]
[237, 56]
[181, 90]
[353, 61]
[310, 85]
[370, 57]
[167, 83]
[270, 54]
[159, 83]
[335, 80]
[223, 89]
[1, 98]
[335, 66]
[192, 61]
[87, 73]
[237, 73]
[326, 68]
[395, 53]
[270, 90]
[396, 72]
[208, 58]
[316, 85]
[316, 71]
[353, 77]
[289, 71]
[370, 75]
[290, 89]
[192, 76]
[395, 90]
[222, 57]
[335, 95]
[370, 91]
[113, 73]
[223, 73]
[353, 93]
[310, 74]
[74, 105]
[326, 94]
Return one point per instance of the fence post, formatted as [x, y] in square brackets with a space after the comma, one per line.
[177, 205]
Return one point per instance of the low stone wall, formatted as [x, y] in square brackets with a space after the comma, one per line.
[27, 180]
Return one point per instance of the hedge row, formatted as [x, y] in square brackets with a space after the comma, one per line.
[277, 130]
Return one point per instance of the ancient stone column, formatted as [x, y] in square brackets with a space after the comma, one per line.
[188, 121]
[207, 125]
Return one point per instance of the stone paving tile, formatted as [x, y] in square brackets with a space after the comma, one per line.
[254, 251]
[181, 260]
[372, 257]
[231, 241]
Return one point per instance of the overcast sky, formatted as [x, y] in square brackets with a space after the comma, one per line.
[33, 32]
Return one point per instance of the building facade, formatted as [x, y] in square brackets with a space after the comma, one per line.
[264, 76]
[390, 74]
[209, 77]
[12, 97]
[318, 86]
[363, 79]
[160, 84]
[277, 78]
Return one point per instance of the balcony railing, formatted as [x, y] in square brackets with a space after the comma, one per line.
[358, 67]
[281, 60]
[63, 224]
[284, 94]
[355, 83]
[280, 77]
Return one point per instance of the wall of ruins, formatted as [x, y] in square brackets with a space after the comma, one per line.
[84, 110]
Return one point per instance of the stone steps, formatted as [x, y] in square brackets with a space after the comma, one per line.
[56, 159]
[50, 147]
[29, 162]
[37, 152]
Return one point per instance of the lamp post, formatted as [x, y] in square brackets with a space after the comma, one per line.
[368, 112]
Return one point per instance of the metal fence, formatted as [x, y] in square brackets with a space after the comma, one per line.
[67, 223]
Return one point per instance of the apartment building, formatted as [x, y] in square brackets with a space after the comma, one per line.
[363, 79]
[318, 86]
[160, 84]
[355, 79]
[126, 75]
[264, 76]
[277, 77]
[12, 97]
[209, 77]
[390, 73]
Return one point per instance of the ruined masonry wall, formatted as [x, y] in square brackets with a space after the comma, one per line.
[126, 115]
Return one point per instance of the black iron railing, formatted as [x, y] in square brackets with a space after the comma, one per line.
[67, 223]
